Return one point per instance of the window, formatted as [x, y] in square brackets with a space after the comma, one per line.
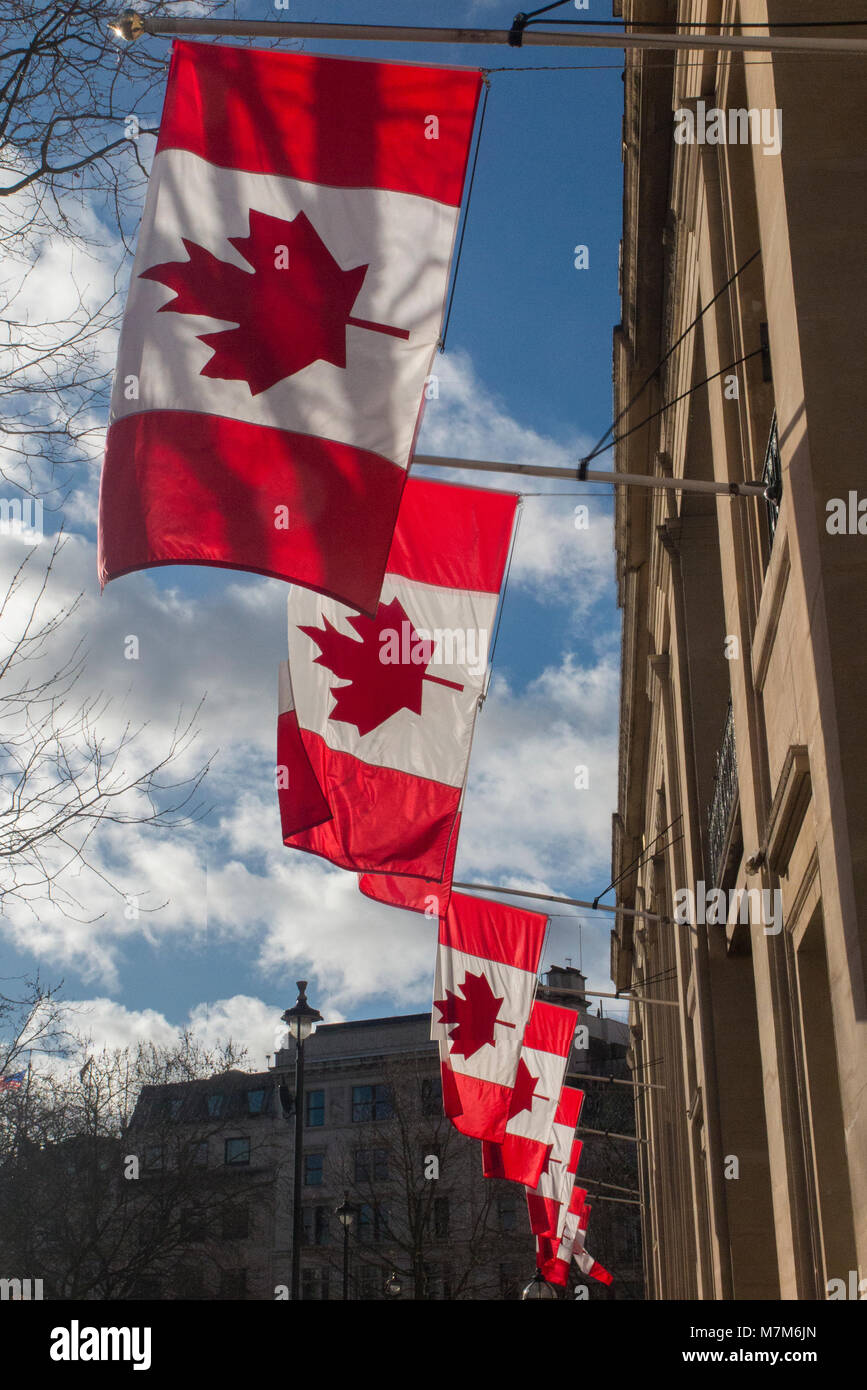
[506, 1211]
[192, 1225]
[314, 1170]
[315, 1112]
[314, 1285]
[431, 1096]
[370, 1103]
[153, 1157]
[236, 1222]
[315, 1221]
[216, 1104]
[237, 1151]
[372, 1223]
[255, 1102]
[233, 1283]
[171, 1107]
[441, 1217]
[371, 1165]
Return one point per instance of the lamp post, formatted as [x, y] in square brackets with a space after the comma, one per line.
[300, 1020]
[346, 1216]
[539, 1287]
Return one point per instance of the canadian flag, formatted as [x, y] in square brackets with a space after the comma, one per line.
[556, 1270]
[486, 969]
[523, 1151]
[377, 713]
[548, 1200]
[284, 309]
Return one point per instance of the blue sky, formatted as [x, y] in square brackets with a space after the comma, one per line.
[526, 377]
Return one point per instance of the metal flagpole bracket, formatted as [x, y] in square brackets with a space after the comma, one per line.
[516, 33]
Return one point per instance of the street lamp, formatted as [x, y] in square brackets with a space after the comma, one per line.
[539, 1288]
[393, 1286]
[300, 1021]
[346, 1216]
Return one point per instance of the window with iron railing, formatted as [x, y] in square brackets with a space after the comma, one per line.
[772, 477]
[724, 801]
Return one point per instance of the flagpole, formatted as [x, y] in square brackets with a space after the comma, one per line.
[591, 475]
[130, 26]
[615, 1081]
[570, 902]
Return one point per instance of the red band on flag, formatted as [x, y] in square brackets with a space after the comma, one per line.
[412, 827]
[237, 108]
[494, 931]
[551, 1029]
[180, 488]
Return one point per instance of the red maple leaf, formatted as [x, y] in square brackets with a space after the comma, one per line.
[291, 309]
[524, 1090]
[474, 1015]
[379, 688]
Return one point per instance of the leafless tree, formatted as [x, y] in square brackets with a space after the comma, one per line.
[423, 1211]
[61, 777]
[78, 110]
[84, 1203]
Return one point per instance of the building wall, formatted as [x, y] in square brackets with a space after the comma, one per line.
[762, 1056]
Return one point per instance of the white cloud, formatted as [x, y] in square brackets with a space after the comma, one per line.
[553, 559]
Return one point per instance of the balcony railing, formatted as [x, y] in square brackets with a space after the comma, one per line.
[724, 802]
[772, 477]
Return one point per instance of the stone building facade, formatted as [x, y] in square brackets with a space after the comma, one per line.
[743, 759]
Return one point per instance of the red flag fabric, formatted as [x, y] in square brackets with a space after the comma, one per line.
[413, 894]
[548, 1201]
[284, 310]
[378, 713]
[523, 1152]
[487, 962]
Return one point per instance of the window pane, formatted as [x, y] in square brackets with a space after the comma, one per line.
[380, 1165]
[362, 1103]
[237, 1151]
[362, 1167]
[216, 1103]
[314, 1165]
[315, 1108]
[382, 1103]
[255, 1102]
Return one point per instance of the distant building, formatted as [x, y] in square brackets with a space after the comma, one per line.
[374, 1137]
[742, 802]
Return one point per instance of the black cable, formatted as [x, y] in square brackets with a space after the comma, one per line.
[668, 404]
[643, 855]
[662, 361]
[442, 342]
[648, 855]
